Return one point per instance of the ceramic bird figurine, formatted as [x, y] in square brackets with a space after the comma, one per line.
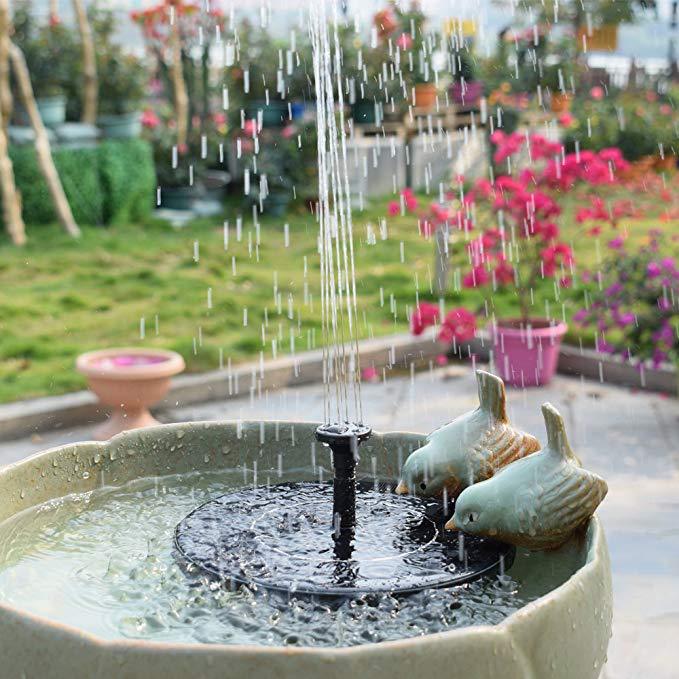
[469, 449]
[536, 502]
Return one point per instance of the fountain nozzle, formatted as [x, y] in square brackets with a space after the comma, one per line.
[343, 439]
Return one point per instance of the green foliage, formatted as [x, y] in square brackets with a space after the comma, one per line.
[122, 76]
[69, 296]
[128, 180]
[637, 122]
[51, 50]
[109, 183]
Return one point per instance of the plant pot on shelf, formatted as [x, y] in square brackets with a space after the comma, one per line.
[274, 114]
[52, 109]
[276, 203]
[468, 94]
[122, 126]
[181, 197]
[364, 112]
[129, 381]
[215, 183]
[638, 168]
[425, 95]
[561, 102]
[601, 39]
[669, 162]
[527, 355]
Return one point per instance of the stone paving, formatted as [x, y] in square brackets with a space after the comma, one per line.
[632, 439]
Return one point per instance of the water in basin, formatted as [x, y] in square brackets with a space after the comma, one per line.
[103, 562]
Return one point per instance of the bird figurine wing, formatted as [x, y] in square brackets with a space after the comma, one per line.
[536, 502]
[470, 448]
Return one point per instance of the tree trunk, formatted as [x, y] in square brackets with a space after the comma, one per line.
[11, 198]
[91, 84]
[5, 89]
[181, 99]
[42, 144]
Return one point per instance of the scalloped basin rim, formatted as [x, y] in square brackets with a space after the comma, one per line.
[563, 634]
[162, 363]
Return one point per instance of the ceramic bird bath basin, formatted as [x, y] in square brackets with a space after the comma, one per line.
[129, 381]
[558, 625]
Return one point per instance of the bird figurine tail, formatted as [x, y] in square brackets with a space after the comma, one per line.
[557, 441]
[492, 395]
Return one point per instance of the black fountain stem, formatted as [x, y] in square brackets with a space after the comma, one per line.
[343, 440]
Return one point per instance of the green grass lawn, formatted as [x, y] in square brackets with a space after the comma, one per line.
[60, 297]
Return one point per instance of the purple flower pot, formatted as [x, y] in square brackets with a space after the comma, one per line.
[467, 95]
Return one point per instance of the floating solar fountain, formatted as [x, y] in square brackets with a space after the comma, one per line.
[333, 539]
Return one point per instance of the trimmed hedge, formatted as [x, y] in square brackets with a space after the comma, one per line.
[113, 182]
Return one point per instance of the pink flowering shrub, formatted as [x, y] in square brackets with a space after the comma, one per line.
[520, 244]
[634, 304]
[458, 326]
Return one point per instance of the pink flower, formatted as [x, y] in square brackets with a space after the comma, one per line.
[219, 118]
[665, 109]
[566, 119]
[554, 255]
[617, 243]
[459, 325]
[288, 131]
[653, 270]
[370, 374]
[441, 359]
[425, 314]
[394, 208]
[477, 277]
[250, 127]
[409, 199]
[149, 119]
[597, 93]
[504, 273]
[405, 41]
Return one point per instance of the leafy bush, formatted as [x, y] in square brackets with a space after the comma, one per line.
[113, 182]
[128, 180]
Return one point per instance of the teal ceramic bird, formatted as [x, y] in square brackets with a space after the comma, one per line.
[469, 449]
[536, 502]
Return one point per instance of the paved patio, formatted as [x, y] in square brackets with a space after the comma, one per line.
[632, 439]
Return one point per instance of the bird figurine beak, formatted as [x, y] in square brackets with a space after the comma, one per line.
[451, 525]
[401, 489]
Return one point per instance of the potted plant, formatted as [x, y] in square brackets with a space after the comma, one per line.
[253, 78]
[518, 244]
[49, 50]
[466, 90]
[122, 81]
[274, 169]
[180, 170]
[632, 303]
[521, 247]
[556, 79]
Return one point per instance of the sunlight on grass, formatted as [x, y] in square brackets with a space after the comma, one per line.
[63, 297]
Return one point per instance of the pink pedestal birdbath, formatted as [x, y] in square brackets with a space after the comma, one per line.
[129, 380]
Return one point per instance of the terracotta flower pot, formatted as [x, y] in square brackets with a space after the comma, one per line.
[129, 381]
[561, 102]
[425, 95]
[669, 162]
[527, 357]
[638, 168]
